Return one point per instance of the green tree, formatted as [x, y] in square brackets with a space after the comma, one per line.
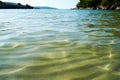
[110, 4]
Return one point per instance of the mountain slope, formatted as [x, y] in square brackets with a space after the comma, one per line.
[11, 5]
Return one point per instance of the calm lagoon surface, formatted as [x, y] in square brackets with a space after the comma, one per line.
[59, 44]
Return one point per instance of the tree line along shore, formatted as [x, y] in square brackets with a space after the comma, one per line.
[99, 4]
[10, 5]
[82, 4]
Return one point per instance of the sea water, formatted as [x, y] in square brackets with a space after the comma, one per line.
[38, 44]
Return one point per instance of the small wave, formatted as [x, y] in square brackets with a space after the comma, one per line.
[5, 23]
[13, 71]
[9, 46]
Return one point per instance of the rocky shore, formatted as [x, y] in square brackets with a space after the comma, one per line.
[99, 4]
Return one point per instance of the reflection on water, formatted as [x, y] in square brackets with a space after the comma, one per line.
[66, 45]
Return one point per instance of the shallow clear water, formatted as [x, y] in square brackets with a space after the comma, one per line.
[59, 45]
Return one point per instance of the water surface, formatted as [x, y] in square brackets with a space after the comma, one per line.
[59, 45]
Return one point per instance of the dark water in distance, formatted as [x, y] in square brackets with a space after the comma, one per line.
[59, 45]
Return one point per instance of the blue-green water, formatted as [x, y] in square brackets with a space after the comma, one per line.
[59, 45]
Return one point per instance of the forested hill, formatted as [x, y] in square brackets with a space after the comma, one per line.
[99, 4]
[10, 5]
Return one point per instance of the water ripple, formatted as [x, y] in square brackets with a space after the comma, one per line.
[74, 45]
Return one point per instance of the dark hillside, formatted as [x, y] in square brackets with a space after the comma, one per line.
[99, 4]
[10, 5]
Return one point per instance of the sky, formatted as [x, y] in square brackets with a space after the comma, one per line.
[62, 4]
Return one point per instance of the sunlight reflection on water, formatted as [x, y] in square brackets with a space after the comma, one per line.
[66, 45]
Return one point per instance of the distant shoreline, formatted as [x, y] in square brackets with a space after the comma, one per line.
[11, 5]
